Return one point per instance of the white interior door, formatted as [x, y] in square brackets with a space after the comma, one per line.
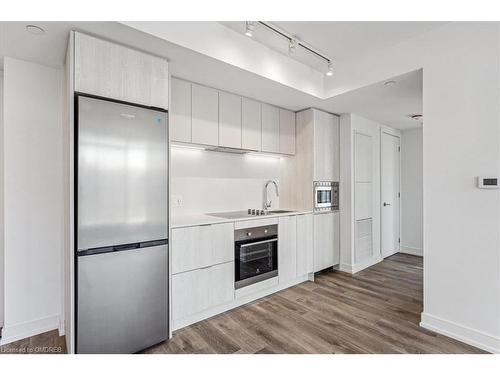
[390, 193]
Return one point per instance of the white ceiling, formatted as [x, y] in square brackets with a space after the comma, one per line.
[348, 40]
[48, 49]
[386, 105]
[336, 40]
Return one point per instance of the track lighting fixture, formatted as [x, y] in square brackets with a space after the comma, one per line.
[293, 42]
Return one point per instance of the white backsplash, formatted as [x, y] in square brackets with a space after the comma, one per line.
[208, 181]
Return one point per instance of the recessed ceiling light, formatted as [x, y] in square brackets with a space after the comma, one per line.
[390, 83]
[36, 30]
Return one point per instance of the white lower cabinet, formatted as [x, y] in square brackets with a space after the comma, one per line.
[203, 264]
[202, 289]
[326, 240]
[287, 248]
[202, 268]
[201, 246]
[305, 252]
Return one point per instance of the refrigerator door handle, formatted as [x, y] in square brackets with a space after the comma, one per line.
[128, 246]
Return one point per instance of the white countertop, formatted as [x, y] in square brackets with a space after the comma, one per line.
[203, 219]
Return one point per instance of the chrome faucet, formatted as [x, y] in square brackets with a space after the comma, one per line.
[267, 203]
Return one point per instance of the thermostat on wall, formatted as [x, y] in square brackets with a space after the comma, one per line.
[487, 182]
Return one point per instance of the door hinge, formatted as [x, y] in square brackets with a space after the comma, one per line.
[399, 195]
[399, 240]
[399, 149]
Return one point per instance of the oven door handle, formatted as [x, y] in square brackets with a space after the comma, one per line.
[259, 242]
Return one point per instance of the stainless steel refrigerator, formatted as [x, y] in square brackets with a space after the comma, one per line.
[122, 235]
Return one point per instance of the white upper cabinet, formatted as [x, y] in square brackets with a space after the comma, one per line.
[270, 128]
[205, 111]
[229, 120]
[180, 111]
[326, 146]
[251, 125]
[287, 132]
[113, 71]
[206, 116]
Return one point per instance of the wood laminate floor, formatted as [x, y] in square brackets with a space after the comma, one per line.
[375, 311]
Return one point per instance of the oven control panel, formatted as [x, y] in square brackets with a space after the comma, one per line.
[256, 232]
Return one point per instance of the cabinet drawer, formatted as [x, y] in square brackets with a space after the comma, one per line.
[202, 289]
[201, 246]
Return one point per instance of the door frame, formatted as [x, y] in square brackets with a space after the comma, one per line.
[395, 133]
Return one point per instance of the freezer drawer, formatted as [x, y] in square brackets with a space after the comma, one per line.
[122, 300]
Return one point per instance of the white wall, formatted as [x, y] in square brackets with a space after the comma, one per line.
[2, 286]
[33, 198]
[412, 235]
[211, 181]
[461, 140]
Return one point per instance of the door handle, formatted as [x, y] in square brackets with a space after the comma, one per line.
[386, 204]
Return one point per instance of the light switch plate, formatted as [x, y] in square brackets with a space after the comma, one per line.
[177, 200]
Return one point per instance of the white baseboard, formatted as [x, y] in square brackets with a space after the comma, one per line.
[27, 329]
[183, 322]
[411, 250]
[460, 332]
[353, 268]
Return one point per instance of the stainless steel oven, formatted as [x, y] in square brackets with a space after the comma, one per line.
[326, 196]
[255, 255]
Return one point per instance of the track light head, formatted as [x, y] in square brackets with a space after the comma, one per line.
[249, 28]
[329, 72]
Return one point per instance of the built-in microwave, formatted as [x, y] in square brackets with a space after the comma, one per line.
[326, 196]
